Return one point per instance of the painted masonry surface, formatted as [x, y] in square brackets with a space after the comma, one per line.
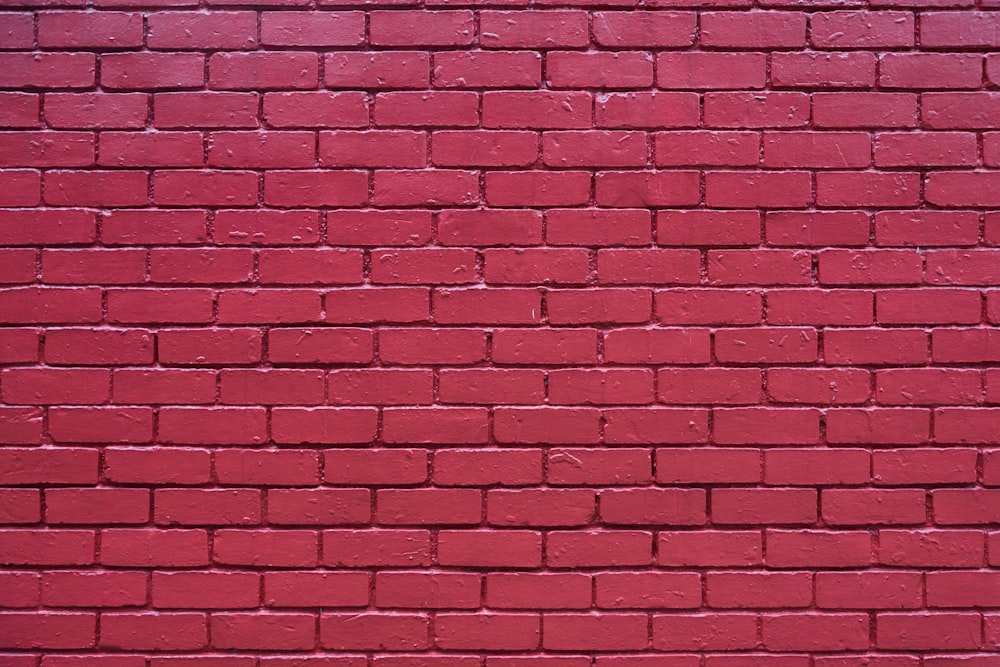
[472, 333]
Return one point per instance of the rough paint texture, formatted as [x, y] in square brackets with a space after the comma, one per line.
[460, 333]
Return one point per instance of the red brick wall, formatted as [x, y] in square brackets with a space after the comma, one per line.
[459, 333]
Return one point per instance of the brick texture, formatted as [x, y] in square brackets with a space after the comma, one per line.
[499, 333]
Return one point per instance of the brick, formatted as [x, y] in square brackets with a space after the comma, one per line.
[142, 547]
[423, 28]
[817, 149]
[963, 345]
[585, 632]
[50, 630]
[554, 346]
[96, 188]
[540, 507]
[195, 30]
[273, 468]
[548, 29]
[929, 466]
[478, 468]
[707, 465]
[961, 506]
[672, 507]
[285, 548]
[860, 29]
[47, 70]
[908, 631]
[96, 110]
[764, 506]
[209, 346]
[535, 266]
[101, 424]
[397, 632]
[864, 109]
[364, 548]
[375, 467]
[862, 590]
[849, 69]
[205, 590]
[572, 69]
[655, 425]
[269, 630]
[162, 149]
[490, 548]
[524, 590]
[425, 188]
[176, 631]
[959, 29]
[644, 29]
[812, 549]
[487, 69]
[547, 425]
[180, 227]
[661, 345]
[311, 589]
[852, 507]
[582, 549]
[814, 467]
[22, 589]
[735, 590]
[931, 548]
[698, 632]
[961, 589]
[188, 506]
[325, 29]
[392, 304]
[46, 547]
[926, 386]
[940, 306]
[422, 266]
[884, 425]
[415, 109]
[375, 69]
[489, 227]
[594, 467]
[418, 590]
[315, 188]
[508, 387]
[754, 30]
[593, 149]
[536, 109]
[722, 149]
[709, 547]
[21, 506]
[930, 70]
[498, 306]
[157, 466]
[429, 506]
[666, 590]
[819, 632]
[152, 71]
[313, 109]
[753, 110]
[20, 109]
[308, 266]
[487, 631]
[51, 305]
[377, 386]
[434, 346]
[647, 109]
[772, 189]
[214, 110]
[537, 188]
